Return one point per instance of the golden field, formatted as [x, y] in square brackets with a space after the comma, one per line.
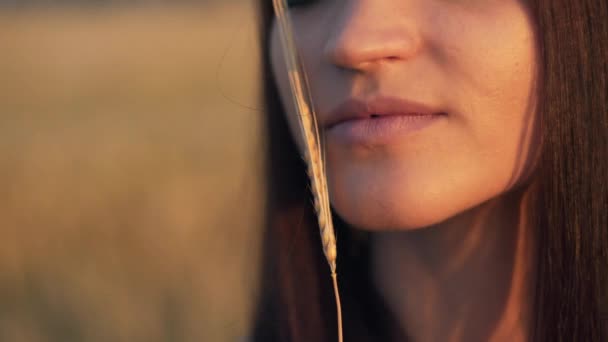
[129, 162]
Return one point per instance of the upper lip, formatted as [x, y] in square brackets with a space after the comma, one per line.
[353, 109]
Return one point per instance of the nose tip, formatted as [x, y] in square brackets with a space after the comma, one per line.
[363, 41]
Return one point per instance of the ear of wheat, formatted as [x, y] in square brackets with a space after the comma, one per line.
[314, 144]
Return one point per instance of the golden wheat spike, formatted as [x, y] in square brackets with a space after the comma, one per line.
[314, 148]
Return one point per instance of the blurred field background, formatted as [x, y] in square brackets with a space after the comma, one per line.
[129, 171]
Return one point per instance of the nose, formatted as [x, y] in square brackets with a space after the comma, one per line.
[369, 33]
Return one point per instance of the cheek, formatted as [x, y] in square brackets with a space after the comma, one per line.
[491, 66]
[501, 112]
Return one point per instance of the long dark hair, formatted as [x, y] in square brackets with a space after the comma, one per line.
[296, 298]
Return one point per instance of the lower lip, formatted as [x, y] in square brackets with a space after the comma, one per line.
[382, 129]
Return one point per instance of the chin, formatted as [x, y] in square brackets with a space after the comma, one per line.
[401, 207]
[381, 211]
[377, 222]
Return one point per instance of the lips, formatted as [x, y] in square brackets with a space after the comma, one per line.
[355, 109]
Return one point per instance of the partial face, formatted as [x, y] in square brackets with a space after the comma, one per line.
[443, 103]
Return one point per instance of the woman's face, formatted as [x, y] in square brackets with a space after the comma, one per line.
[468, 65]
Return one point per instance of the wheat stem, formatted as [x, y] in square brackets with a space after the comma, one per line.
[338, 305]
[314, 147]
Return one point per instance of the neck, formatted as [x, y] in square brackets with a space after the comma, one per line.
[469, 278]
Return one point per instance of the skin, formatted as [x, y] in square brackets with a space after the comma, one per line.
[446, 205]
